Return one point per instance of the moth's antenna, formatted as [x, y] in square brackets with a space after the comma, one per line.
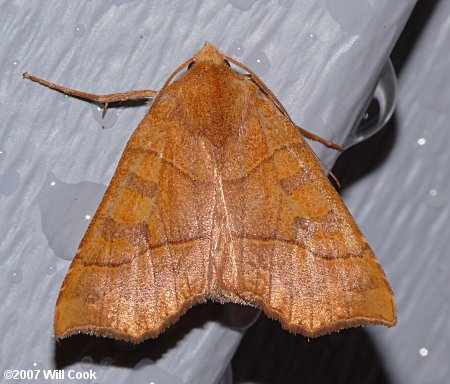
[329, 171]
[170, 78]
[310, 135]
[267, 90]
[262, 85]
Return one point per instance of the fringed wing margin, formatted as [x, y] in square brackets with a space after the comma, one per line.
[296, 251]
[144, 258]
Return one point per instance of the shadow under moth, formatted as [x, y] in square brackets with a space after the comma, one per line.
[218, 196]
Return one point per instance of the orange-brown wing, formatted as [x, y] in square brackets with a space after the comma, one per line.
[144, 259]
[295, 250]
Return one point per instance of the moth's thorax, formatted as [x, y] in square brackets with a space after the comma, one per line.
[215, 100]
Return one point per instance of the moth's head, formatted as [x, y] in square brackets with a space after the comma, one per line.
[209, 53]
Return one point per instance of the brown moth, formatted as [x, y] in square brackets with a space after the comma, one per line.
[218, 196]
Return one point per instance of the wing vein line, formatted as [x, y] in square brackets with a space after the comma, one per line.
[275, 243]
[163, 223]
[227, 225]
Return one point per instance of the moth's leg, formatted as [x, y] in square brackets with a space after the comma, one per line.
[103, 99]
[314, 137]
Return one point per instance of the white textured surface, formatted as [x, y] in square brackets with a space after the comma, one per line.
[320, 57]
[404, 209]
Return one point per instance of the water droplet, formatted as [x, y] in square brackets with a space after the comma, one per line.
[144, 362]
[238, 51]
[313, 36]
[62, 98]
[437, 197]
[106, 362]
[353, 16]
[433, 139]
[258, 62]
[422, 141]
[15, 276]
[63, 209]
[15, 63]
[243, 5]
[37, 364]
[80, 30]
[87, 217]
[86, 362]
[108, 120]
[428, 364]
[51, 269]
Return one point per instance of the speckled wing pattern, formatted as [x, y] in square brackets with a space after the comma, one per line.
[295, 250]
[144, 259]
